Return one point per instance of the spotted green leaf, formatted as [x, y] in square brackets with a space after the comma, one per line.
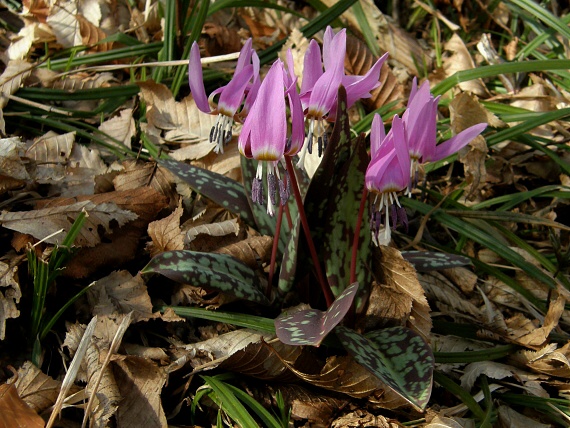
[209, 270]
[222, 190]
[397, 356]
[310, 326]
[425, 261]
[339, 226]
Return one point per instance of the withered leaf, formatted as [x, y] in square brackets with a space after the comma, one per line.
[37, 389]
[14, 412]
[121, 293]
[41, 223]
[10, 293]
[166, 234]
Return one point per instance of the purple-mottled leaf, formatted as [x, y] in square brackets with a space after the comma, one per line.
[310, 326]
[398, 356]
[222, 190]
[209, 270]
[425, 261]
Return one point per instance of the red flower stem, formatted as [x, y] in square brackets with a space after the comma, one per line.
[357, 235]
[329, 297]
[274, 250]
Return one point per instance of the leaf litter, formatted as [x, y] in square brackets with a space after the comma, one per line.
[135, 359]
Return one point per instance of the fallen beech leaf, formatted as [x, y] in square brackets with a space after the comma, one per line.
[63, 21]
[10, 293]
[140, 383]
[254, 251]
[14, 412]
[493, 370]
[548, 360]
[166, 234]
[460, 60]
[400, 276]
[41, 223]
[508, 417]
[11, 163]
[12, 78]
[91, 35]
[362, 418]
[121, 128]
[37, 389]
[121, 293]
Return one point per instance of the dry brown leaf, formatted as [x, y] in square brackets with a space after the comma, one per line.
[14, 412]
[63, 21]
[50, 153]
[22, 42]
[91, 35]
[400, 276]
[186, 294]
[358, 61]
[179, 122]
[464, 278]
[387, 303]
[511, 418]
[42, 224]
[138, 174]
[12, 78]
[121, 293]
[140, 383]
[493, 370]
[146, 352]
[121, 128]
[362, 418]
[219, 39]
[10, 293]
[253, 251]
[221, 228]
[123, 243]
[440, 421]
[460, 60]
[524, 332]
[11, 163]
[548, 360]
[166, 234]
[82, 80]
[263, 361]
[37, 389]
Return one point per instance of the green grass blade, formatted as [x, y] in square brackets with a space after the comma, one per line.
[223, 4]
[538, 11]
[364, 26]
[495, 70]
[460, 393]
[229, 403]
[267, 418]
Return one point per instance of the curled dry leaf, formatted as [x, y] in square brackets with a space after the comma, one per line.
[121, 128]
[11, 163]
[362, 418]
[219, 39]
[493, 370]
[253, 251]
[11, 79]
[10, 293]
[221, 228]
[120, 293]
[549, 360]
[400, 277]
[92, 35]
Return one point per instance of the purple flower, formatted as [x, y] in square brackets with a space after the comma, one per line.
[387, 174]
[264, 133]
[319, 88]
[420, 123]
[244, 84]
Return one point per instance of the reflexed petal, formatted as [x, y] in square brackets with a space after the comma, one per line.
[297, 122]
[324, 93]
[457, 142]
[334, 49]
[361, 87]
[196, 79]
[244, 57]
[402, 177]
[378, 171]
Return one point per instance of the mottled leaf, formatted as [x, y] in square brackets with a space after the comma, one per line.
[222, 190]
[425, 261]
[208, 270]
[289, 260]
[344, 197]
[310, 326]
[398, 357]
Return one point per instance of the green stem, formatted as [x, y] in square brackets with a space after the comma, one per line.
[329, 297]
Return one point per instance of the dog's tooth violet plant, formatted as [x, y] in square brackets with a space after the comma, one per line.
[274, 112]
[244, 85]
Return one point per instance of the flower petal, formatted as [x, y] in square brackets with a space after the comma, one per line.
[312, 67]
[361, 87]
[233, 94]
[196, 79]
[377, 134]
[457, 142]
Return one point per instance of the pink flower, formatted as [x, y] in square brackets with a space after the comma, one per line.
[244, 84]
[387, 174]
[420, 122]
[264, 133]
[320, 87]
